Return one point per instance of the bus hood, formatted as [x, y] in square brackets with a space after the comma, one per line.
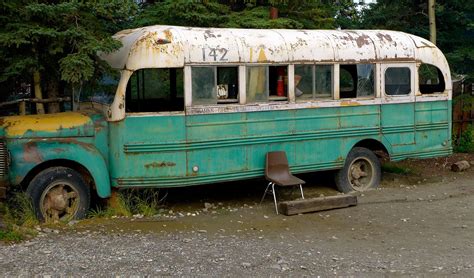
[67, 124]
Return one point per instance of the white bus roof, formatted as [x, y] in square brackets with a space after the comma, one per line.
[172, 46]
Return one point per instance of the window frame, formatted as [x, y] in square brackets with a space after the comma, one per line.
[188, 91]
[398, 98]
[412, 81]
[376, 88]
[126, 84]
[331, 96]
[440, 74]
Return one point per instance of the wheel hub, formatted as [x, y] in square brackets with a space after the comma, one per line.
[59, 202]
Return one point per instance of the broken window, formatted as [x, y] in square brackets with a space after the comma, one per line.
[213, 85]
[257, 84]
[431, 79]
[397, 81]
[313, 81]
[357, 81]
[267, 83]
[155, 90]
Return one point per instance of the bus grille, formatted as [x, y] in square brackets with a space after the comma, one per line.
[3, 159]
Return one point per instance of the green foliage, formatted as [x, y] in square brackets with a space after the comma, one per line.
[242, 14]
[60, 38]
[183, 13]
[396, 169]
[10, 235]
[146, 202]
[19, 210]
[465, 143]
[258, 18]
[454, 22]
[19, 218]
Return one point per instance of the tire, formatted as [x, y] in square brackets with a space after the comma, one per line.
[59, 194]
[361, 171]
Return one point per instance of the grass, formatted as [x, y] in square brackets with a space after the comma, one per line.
[19, 218]
[396, 169]
[128, 202]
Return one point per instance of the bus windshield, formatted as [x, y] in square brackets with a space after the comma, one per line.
[101, 90]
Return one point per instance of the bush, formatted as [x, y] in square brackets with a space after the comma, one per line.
[465, 143]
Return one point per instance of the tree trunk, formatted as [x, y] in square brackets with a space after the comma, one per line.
[273, 13]
[53, 92]
[432, 19]
[38, 93]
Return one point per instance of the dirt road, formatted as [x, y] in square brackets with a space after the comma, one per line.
[402, 229]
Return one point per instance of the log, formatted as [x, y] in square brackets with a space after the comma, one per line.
[460, 166]
[317, 204]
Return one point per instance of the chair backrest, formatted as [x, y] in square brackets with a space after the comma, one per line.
[276, 164]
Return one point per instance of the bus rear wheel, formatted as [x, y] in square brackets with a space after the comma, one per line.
[59, 194]
[361, 171]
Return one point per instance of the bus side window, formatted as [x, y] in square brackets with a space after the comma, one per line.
[397, 81]
[313, 81]
[267, 83]
[257, 84]
[214, 85]
[356, 81]
[431, 79]
[155, 90]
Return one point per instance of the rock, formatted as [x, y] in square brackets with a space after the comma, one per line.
[208, 205]
[72, 222]
[460, 166]
[246, 265]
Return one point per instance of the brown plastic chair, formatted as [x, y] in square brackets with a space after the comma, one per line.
[277, 172]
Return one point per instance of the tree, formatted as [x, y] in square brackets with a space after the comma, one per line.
[58, 41]
[233, 13]
[454, 21]
[432, 18]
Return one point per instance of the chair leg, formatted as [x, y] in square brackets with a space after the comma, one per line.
[301, 189]
[274, 198]
[265, 192]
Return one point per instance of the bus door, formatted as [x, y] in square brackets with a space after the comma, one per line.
[216, 138]
[398, 105]
[148, 146]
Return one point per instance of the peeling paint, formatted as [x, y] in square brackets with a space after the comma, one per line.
[160, 164]
[350, 103]
[20, 125]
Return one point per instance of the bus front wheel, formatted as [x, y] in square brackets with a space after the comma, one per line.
[59, 193]
[361, 171]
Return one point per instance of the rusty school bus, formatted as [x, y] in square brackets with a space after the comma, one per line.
[202, 105]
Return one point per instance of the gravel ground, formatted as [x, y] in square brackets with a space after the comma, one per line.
[414, 230]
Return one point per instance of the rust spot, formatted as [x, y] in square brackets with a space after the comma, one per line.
[87, 146]
[349, 103]
[31, 153]
[386, 37]
[58, 150]
[208, 34]
[160, 164]
[168, 35]
[363, 40]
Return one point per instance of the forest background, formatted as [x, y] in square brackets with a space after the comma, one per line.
[54, 44]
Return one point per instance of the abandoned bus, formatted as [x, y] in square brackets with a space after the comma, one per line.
[203, 105]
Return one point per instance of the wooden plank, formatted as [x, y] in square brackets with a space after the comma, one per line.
[317, 204]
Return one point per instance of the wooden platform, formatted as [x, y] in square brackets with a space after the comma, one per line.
[316, 204]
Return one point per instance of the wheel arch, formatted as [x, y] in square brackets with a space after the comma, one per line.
[86, 161]
[377, 147]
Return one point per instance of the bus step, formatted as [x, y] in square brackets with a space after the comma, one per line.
[317, 204]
